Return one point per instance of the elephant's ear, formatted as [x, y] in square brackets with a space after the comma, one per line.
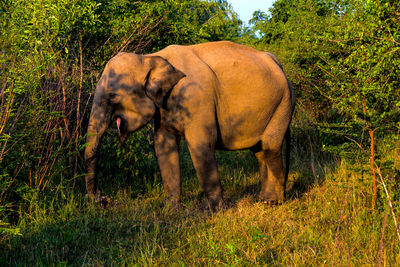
[161, 78]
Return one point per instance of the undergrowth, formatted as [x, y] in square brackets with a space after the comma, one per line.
[327, 219]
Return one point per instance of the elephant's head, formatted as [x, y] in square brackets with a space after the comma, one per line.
[128, 92]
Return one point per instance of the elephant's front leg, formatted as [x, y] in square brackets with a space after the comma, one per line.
[167, 152]
[203, 157]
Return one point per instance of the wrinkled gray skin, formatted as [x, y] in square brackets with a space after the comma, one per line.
[218, 95]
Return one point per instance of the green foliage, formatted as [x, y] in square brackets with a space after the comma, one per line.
[364, 84]
[292, 31]
[343, 58]
[52, 53]
[324, 221]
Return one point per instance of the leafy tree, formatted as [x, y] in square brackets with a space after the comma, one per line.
[51, 54]
[343, 57]
[363, 86]
[292, 30]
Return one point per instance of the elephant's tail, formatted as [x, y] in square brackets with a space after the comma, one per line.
[287, 154]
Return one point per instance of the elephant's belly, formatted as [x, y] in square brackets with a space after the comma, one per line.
[240, 136]
[237, 144]
[242, 124]
[243, 117]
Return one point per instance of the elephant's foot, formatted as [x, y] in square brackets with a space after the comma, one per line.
[213, 205]
[172, 203]
[102, 201]
[272, 198]
[272, 202]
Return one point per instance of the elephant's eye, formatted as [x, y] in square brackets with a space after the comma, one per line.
[113, 98]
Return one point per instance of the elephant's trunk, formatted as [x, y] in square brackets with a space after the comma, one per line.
[98, 123]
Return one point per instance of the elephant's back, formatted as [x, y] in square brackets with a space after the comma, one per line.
[244, 85]
[251, 84]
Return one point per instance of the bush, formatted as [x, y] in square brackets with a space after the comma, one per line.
[52, 53]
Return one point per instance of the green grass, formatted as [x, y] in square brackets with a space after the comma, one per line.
[325, 221]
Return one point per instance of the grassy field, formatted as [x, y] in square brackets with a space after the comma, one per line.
[325, 221]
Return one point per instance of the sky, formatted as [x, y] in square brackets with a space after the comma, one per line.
[245, 8]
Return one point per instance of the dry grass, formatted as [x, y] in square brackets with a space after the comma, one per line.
[326, 221]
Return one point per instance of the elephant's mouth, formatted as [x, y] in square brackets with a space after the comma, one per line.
[122, 129]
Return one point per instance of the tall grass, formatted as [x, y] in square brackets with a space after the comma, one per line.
[327, 219]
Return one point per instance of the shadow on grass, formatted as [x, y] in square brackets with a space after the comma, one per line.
[138, 229]
[238, 171]
[308, 167]
[127, 233]
[309, 164]
[132, 232]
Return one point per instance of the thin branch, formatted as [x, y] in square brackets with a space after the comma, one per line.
[389, 201]
[383, 39]
[355, 142]
[372, 157]
[382, 241]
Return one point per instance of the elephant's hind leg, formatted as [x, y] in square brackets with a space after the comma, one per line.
[271, 173]
[270, 155]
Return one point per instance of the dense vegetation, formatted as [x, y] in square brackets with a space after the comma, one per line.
[342, 56]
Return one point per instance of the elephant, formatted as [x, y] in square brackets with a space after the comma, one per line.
[216, 95]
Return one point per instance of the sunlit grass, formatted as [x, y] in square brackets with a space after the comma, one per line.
[326, 220]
